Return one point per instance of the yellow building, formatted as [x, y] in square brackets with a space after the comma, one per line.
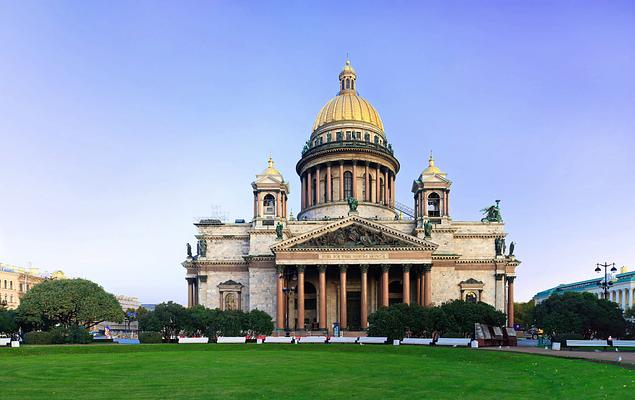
[16, 281]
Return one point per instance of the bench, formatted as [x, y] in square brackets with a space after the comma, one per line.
[453, 342]
[342, 339]
[372, 340]
[279, 339]
[619, 343]
[5, 341]
[417, 341]
[587, 343]
[231, 339]
[312, 339]
[191, 340]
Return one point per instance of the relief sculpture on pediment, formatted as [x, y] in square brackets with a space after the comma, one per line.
[353, 236]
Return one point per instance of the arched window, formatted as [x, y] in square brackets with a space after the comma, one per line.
[269, 204]
[10, 284]
[348, 84]
[471, 297]
[367, 137]
[338, 136]
[328, 137]
[348, 135]
[353, 85]
[434, 205]
[370, 188]
[348, 185]
[382, 190]
[313, 192]
[376, 139]
[342, 84]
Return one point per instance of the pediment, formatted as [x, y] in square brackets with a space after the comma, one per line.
[354, 233]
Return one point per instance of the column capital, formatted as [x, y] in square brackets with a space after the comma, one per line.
[300, 268]
[322, 268]
[426, 267]
[385, 267]
[510, 279]
[343, 267]
[499, 276]
[279, 269]
[406, 267]
[364, 268]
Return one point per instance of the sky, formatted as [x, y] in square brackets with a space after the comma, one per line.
[121, 123]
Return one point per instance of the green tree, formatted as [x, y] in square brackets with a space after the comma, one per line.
[580, 313]
[68, 302]
[171, 318]
[196, 320]
[8, 322]
[524, 314]
[258, 323]
[461, 316]
[148, 321]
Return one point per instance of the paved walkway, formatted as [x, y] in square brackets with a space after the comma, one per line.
[627, 357]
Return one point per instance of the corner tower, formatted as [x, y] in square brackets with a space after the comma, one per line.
[270, 196]
[432, 195]
[347, 156]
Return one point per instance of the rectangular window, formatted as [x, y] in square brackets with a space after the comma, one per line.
[328, 137]
[348, 135]
[339, 136]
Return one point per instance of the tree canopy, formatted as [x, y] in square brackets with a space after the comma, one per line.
[68, 302]
[580, 313]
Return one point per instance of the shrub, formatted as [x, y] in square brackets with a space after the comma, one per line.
[562, 339]
[150, 337]
[38, 338]
[258, 323]
[73, 334]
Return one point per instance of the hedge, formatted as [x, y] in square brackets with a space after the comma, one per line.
[38, 338]
[150, 337]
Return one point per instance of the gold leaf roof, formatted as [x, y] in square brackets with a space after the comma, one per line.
[348, 106]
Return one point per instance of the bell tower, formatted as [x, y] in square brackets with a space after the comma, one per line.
[431, 195]
[270, 196]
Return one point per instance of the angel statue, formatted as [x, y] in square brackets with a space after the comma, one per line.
[492, 213]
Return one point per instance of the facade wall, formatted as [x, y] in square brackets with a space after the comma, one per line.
[211, 292]
[262, 290]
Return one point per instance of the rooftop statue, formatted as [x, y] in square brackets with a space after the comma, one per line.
[188, 248]
[279, 228]
[511, 248]
[352, 204]
[427, 228]
[492, 213]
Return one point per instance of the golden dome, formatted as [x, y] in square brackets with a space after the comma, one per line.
[348, 105]
[432, 169]
[271, 170]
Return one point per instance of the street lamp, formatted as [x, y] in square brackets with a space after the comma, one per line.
[605, 284]
[289, 275]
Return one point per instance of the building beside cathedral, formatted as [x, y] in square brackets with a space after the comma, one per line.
[349, 251]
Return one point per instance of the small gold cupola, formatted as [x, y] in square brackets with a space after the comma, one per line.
[348, 79]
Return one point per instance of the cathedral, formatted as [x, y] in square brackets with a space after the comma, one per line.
[352, 248]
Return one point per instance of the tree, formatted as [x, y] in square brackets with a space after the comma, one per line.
[196, 320]
[524, 314]
[580, 314]
[170, 319]
[68, 302]
[148, 321]
[461, 316]
[259, 323]
[8, 322]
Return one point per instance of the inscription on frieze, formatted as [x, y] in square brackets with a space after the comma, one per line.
[361, 257]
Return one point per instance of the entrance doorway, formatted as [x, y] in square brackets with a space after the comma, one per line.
[353, 306]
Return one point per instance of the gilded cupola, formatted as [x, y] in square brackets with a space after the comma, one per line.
[348, 107]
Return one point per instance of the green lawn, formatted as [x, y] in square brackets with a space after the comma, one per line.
[300, 371]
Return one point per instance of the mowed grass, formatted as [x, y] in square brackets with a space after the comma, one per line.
[300, 372]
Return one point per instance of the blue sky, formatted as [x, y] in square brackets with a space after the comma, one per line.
[121, 122]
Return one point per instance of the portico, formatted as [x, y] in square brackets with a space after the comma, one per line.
[357, 266]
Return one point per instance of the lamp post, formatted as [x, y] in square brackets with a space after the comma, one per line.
[605, 284]
[289, 275]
